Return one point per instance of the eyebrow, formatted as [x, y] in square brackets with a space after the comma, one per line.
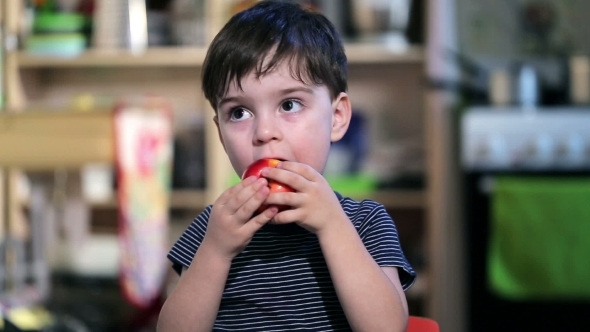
[296, 89]
[226, 100]
[281, 93]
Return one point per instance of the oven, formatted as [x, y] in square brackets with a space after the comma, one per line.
[526, 207]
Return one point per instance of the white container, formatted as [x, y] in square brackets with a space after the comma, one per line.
[97, 183]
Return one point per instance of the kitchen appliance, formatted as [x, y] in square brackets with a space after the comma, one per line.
[500, 145]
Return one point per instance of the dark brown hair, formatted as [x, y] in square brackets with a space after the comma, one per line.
[263, 36]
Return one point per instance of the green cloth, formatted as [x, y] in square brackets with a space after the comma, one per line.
[540, 238]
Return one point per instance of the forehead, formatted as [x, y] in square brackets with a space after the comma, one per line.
[284, 72]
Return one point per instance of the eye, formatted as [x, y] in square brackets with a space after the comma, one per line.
[291, 106]
[239, 114]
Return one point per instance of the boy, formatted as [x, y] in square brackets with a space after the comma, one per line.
[276, 78]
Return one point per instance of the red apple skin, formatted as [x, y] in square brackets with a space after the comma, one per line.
[255, 169]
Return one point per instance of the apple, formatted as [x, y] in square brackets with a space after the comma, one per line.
[255, 169]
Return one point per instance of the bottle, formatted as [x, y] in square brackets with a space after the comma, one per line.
[579, 80]
[528, 88]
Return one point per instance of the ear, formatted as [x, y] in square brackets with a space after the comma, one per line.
[216, 120]
[342, 112]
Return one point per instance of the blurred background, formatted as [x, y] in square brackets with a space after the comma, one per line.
[471, 125]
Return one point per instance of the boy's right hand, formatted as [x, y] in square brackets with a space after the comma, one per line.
[231, 225]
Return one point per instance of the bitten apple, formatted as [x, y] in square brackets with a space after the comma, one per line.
[255, 169]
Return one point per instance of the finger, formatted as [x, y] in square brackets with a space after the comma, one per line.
[254, 224]
[287, 216]
[244, 193]
[291, 179]
[225, 196]
[247, 209]
[284, 198]
[306, 171]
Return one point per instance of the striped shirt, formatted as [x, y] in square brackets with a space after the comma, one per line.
[280, 282]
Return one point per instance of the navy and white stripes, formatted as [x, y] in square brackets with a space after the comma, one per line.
[280, 282]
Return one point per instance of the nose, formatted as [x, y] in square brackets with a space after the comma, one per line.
[266, 129]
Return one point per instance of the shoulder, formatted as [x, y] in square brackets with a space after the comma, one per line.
[353, 206]
[379, 234]
[364, 212]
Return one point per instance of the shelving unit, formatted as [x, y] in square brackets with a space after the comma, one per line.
[385, 83]
[194, 56]
[162, 58]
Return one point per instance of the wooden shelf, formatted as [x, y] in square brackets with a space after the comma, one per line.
[365, 53]
[196, 199]
[357, 53]
[410, 199]
[188, 199]
[400, 199]
[179, 199]
[166, 57]
[47, 140]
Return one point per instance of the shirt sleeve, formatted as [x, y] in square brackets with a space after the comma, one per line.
[379, 234]
[183, 251]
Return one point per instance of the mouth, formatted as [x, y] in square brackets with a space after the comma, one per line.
[276, 158]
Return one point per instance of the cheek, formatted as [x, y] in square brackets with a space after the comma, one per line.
[317, 155]
[237, 148]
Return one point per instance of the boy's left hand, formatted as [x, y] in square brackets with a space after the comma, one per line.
[313, 205]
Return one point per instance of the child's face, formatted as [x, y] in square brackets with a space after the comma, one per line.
[277, 116]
